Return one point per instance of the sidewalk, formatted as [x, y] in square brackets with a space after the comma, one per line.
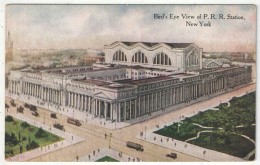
[187, 148]
[69, 139]
[95, 155]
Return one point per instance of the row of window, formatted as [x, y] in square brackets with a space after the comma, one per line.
[139, 57]
[159, 59]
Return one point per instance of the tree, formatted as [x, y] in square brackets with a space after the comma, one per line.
[25, 124]
[41, 133]
[10, 139]
[32, 145]
[19, 136]
[21, 148]
[9, 118]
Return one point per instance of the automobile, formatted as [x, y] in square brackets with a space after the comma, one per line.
[20, 109]
[33, 108]
[172, 155]
[53, 115]
[6, 105]
[26, 105]
[13, 103]
[58, 126]
[35, 113]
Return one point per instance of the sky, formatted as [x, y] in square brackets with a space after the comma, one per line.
[93, 26]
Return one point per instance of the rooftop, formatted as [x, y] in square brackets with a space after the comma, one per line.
[144, 81]
[151, 44]
[111, 85]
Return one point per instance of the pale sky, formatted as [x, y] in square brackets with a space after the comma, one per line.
[93, 26]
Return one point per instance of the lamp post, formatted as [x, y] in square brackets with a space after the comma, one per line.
[115, 123]
[44, 117]
[110, 140]
[145, 133]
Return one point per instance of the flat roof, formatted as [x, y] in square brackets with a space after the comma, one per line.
[111, 85]
[144, 81]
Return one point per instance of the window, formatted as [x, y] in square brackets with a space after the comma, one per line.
[162, 59]
[139, 57]
[192, 59]
[119, 56]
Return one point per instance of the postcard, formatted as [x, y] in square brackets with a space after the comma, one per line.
[130, 83]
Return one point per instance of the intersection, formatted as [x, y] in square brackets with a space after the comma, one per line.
[95, 139]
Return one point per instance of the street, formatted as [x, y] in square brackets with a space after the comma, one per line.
[94, 136]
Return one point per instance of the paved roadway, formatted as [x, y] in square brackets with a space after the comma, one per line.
[95, 136]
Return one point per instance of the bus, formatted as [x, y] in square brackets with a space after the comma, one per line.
[136, 146]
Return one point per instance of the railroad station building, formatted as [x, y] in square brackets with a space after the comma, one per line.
[136, 79]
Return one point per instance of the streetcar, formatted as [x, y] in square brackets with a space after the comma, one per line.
[136, 146]
[73, 121]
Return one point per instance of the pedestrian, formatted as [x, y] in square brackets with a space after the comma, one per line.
[161, 140]
[88, 157]
[77, 158]
[94, 152]
[98, 150]
[128, 159]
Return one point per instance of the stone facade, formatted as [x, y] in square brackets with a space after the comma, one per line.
[123, 90]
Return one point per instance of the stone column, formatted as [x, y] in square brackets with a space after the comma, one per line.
[119, 111]
[139, 109]
[130, 108]
[69, 99]
[135, 107]
[125, 111]
[96, 107]
[89, 103]
[74, 100]
[111, 112]
[78, 101]
[106, 110]
[99, 107]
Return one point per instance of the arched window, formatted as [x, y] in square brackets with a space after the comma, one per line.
[119, 56]
[162, 59]
[192, 59]
[139, 57]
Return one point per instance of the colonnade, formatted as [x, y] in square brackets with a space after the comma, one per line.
[14, 86]
[47, 94]
[103, 109]
[79, 101]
